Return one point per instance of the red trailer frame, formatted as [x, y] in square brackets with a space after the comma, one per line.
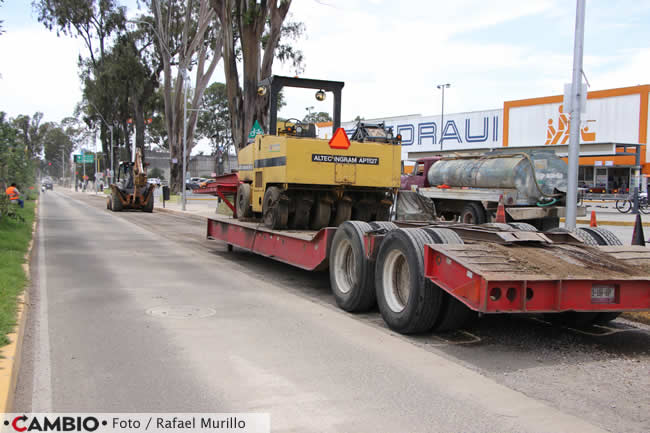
[226, 184]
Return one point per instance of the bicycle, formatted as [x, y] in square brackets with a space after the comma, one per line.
[625, 205]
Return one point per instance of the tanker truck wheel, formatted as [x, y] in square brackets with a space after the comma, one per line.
[580, 233]
[409, 303]
[473, 213]
[351, 273]
[275, 211]
[602, 236]
[244, 209]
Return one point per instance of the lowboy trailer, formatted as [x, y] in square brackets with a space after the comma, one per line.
[436, 276]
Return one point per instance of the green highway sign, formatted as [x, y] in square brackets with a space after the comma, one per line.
[86, 158]
[256, 130]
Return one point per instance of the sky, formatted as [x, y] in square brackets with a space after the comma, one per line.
[391, 55]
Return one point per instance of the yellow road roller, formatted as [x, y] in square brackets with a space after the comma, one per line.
[292, 179]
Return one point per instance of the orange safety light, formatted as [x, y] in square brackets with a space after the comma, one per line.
[340, 140]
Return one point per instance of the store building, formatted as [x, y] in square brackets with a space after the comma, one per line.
[612, 118]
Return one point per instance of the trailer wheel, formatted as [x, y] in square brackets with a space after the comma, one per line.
[603, 236]
[386, 225]
[408, 302]
[320, 214]
[473, 213]
[116, 206]
[274, 210]
[572, 319]
[453, 314]
[582, 235]
[343, 212]
[606, 317]
[523, 227]
[244, 209]
[351, 273]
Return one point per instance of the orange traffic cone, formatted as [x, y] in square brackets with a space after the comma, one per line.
[593, 222]
[637, 235]
[501, 212]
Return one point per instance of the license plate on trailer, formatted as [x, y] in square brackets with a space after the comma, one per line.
[603, 294]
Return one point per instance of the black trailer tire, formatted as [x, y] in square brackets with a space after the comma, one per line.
[572, 319]
[473, 213]
[243, 201]
[582, 235]
[351, 273]
[320, 214]
[386, 225]
[453, 314]
[606, 317]
[274, 210]
[603, 236]
[523, 227]
[116, 206]
[343, 212]
[409, 303]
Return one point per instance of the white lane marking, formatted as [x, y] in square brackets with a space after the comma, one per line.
[42, 386]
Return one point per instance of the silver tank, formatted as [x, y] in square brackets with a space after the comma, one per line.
[536, 176]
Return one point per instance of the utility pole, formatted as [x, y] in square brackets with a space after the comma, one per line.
[442, 112]
[574, 132]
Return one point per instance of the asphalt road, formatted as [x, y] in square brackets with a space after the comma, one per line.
[264, 337]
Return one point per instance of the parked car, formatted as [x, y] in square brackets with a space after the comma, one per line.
[154, 181]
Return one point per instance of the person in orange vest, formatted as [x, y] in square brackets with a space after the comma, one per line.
[14, 195]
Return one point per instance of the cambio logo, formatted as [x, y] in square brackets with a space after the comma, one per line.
[54, 423]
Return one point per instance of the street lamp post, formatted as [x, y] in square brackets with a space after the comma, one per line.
[183, 186]
[442, 111]
[110, 128]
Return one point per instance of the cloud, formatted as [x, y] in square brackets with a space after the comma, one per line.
[39, 73]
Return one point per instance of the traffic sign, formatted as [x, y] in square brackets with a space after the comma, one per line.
[256, 130]
[86, 158]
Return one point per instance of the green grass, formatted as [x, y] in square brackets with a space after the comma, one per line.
[14, 242]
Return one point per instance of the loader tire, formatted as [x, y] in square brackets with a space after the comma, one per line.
[351, 272]
[453, 314]
[116, 206]
[320, 214]
[244, 209]
[149, 206]
[473, 213]
[409, 303]
[275, 210]
[343, 212]
[109, 202]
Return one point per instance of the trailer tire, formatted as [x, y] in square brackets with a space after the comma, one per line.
[351, 273]
[473, 213]
[409, 303]
[606, 317]
[582, 235]
[244, 209]
[523, 227]
[603, 236]
[453, 314]
[572, 319]
[386, 225]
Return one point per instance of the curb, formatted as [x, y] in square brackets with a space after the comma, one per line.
[11, 353]
[181, 213]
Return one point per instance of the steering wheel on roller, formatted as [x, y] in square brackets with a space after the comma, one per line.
[298, 125]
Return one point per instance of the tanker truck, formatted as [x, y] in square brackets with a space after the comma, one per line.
[468, 188]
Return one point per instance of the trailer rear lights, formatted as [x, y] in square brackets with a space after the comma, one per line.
[495, 294]
[511, 294]
[603, 294]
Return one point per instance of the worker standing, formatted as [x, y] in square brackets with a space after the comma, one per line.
[14, 195]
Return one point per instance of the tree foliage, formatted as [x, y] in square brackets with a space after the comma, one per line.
[253, 32]
[16, 164]
[30, 132]
[214, 119]
[313, 117]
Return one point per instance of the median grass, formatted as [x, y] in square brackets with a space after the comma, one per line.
[14, 243]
